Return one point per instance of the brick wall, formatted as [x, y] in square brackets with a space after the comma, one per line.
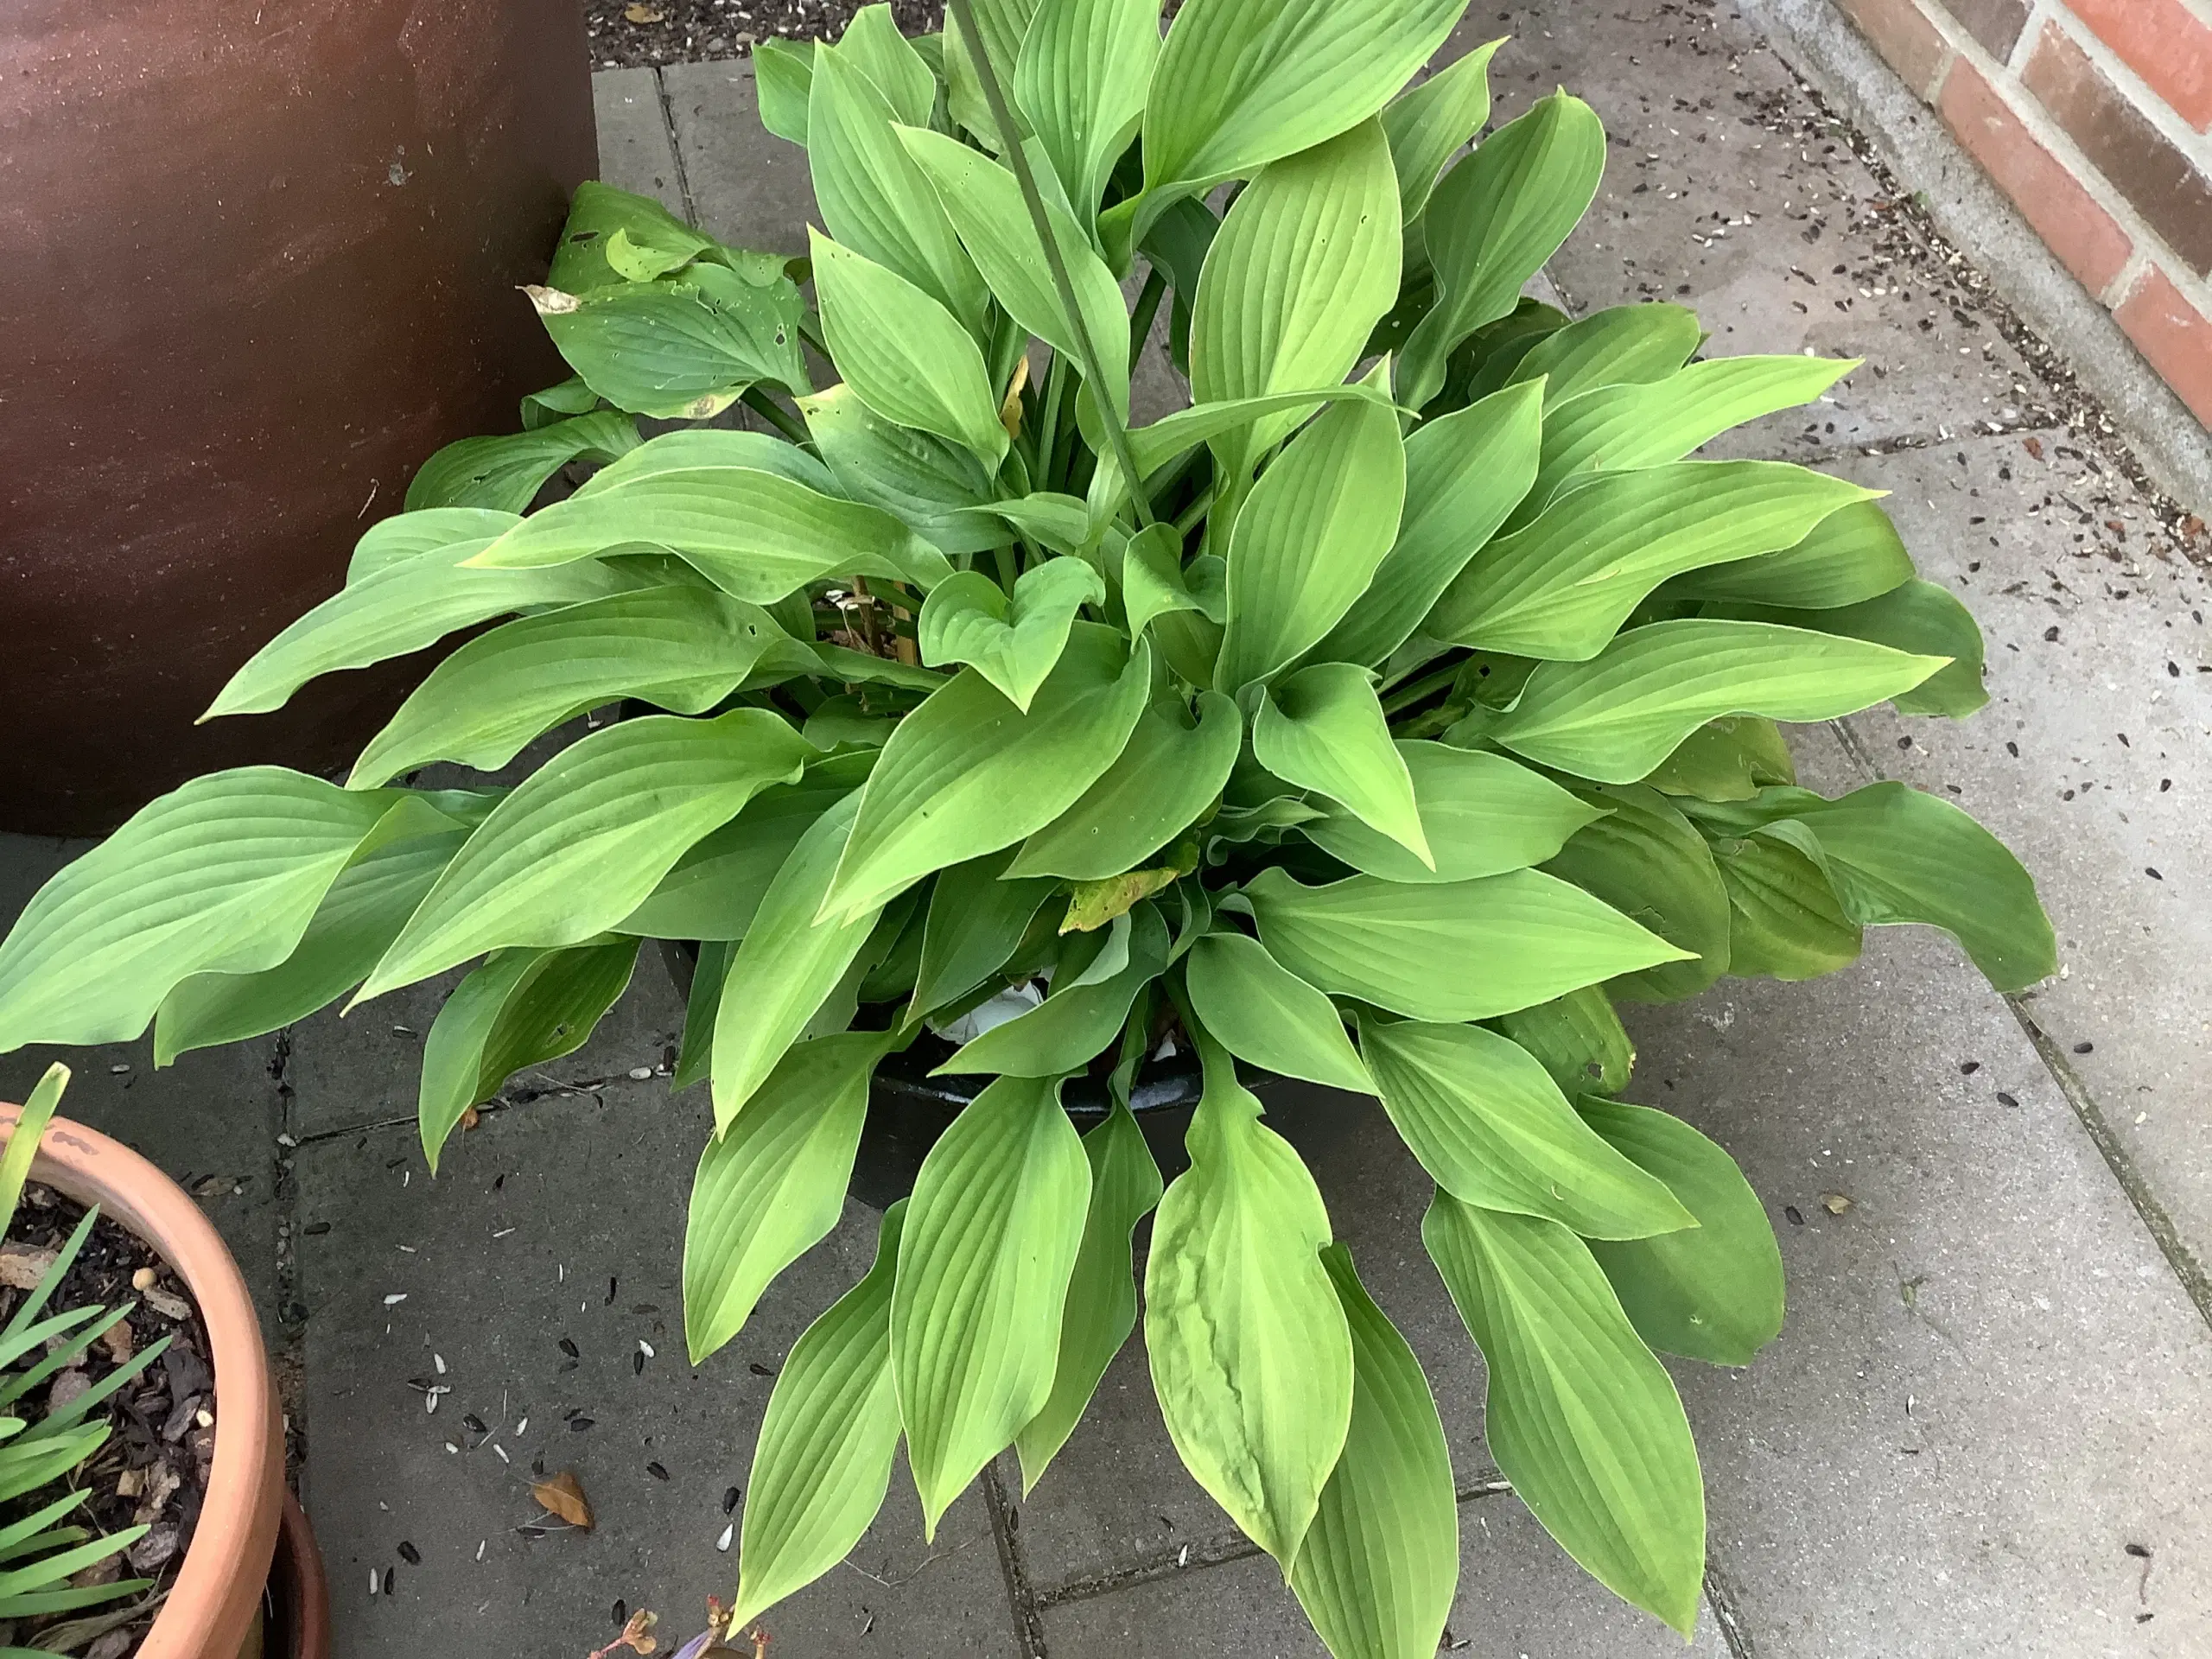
[2095, 118]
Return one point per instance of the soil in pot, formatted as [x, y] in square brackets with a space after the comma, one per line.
[153, 1470]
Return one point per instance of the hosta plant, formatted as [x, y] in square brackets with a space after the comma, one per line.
[1381, 719]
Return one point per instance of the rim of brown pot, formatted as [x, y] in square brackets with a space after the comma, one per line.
[217, 1593]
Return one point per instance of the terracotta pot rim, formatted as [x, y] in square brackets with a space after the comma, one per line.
[217, 1593]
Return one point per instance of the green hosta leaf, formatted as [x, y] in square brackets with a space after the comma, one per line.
[1463, 473]
[1494, 221]
[968, 772]
[688, 448]
[985, 204]
[1004, 24]
[1452, 950]
[1897, 856]
[754, 533]
[1078, 1020]
[1166, 775]
[406, 535]
[223, 875]
[683, 348]
[1785, 921]
[571, 397]
[1648, 424]
[1427, 123]
[1012, 643]
[935, 486]
[1851, 555]
[1059, 522]
[1711, 1292]
[1310, 539]
[1322, 728]
[1484, 814]
[991, 1240]
[1915, 616]
[1580, 1417]
[1579, 1040]
[694, 1059]
[1177, 246]
[682, 649]
[977, 919]
[1621, 345]
[1262, 1013]
[1306, 264]
[1240, 85]
[786, 966]
[521, 1009]
[596, 211]
[1379, 1566]
[1492, 1128]
[712, 892]
[905, 356]
[783, 75]
[1102, 1304]
[1562, 586]
[1490, 356]
[1251, 1356]
[1727, 759]
[823, 1463]
[1645, 860]
[772, 1184]
[1155, 582]
[873, 44]
[401, 608]
[1619, 715]
[358, 919]
[1084, 69]
[1172, 437]
[878, 204]
[505, 474]
[583, 842]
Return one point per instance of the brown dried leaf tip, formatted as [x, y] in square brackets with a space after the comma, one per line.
[637, 1635]
[563, 1495]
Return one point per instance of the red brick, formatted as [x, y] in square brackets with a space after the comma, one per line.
[2123, 144]
[1996, 23]
[2070, 223]
[1909, 43]
[2164, 42]
[2175, 335]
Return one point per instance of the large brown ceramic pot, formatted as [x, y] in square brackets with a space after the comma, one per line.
[260, 260]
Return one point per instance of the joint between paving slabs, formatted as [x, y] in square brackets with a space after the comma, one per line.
[1013, 1564]
[674, 148]
[290, 1358]
[2194, 1282]
[1727, 1613]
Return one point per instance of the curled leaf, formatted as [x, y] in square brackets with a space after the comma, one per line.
[563, 1495]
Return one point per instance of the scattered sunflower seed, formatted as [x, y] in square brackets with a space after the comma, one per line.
[729, 1500]
[656, 1471]
[502, 1450]
[579, 1424]
[439, 1360]
[636, 1364]
[641, 1073]
[394, 1299]
[522, 1427]
[645, 1348]
[410, 1555]
[480, 1542]
[728, 1532]
[569, 1348]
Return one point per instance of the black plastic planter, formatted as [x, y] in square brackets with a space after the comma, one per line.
[908, 1109]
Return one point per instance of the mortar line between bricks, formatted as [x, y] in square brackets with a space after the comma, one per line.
[1029, 1627]
[2196, 1284]
[675, 147]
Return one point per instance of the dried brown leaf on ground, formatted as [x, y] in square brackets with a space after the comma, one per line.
[563, 1495]
[637, 1634]
[22, 1265]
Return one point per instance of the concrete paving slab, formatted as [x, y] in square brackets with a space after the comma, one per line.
[1990, 1393]
[1520, 1598]
[2092, 761]
[746, 186]
[1725, 192]
[635, 150]
[538, 1269]
[366, 1067]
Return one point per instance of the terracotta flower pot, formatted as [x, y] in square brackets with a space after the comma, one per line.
[214, 1609]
